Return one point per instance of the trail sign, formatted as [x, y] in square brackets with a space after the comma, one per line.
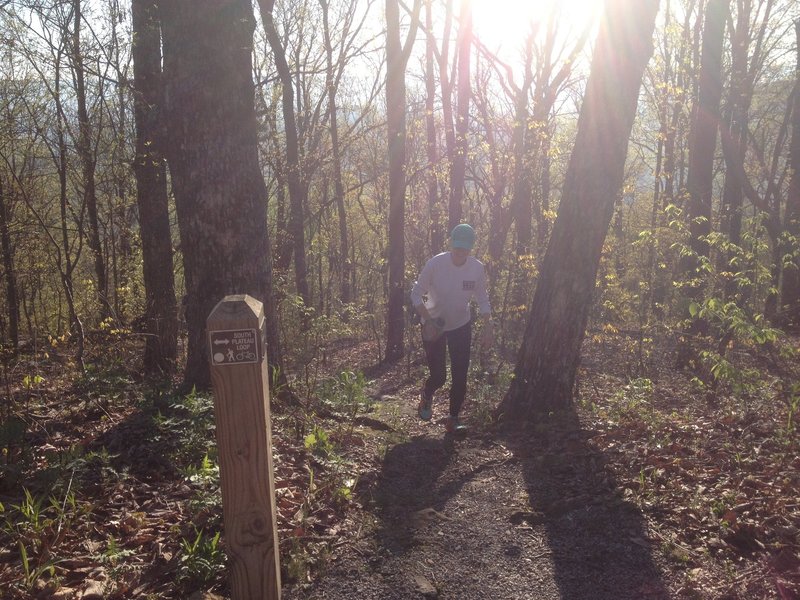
[233, 347]
[241, 407]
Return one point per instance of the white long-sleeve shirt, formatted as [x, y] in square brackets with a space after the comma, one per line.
[447, 289]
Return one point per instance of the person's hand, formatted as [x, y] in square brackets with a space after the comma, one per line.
[487, 336]
[432, 329]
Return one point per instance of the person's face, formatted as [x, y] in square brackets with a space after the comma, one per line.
[459, 255]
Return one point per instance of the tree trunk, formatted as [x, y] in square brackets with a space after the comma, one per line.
[659, 176]
[396, 124]
[458, 164]
[495, 188]
[120, 212]
[548, 359]
[528, 179]
[677, 83]
[736, 129]
[446, 85]
[436, 235]
[9, 272]
[283, 240]
[522, 189]
[396, 60]
[293, 167]
[524, 140]
[543, 164]
[345, 266]
[703, 140]
[220, 194]
[681, 87]
[790, 289]
[161, 311]
[84, 148]
[66, 265]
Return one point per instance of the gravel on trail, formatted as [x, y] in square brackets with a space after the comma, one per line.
[494, 517]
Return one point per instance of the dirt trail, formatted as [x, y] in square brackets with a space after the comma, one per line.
[491, 517]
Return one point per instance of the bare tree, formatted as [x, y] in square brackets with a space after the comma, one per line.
[703, 141]
[747, 62]
[116, 184]
[161, 312]
[458, 158]
[9, 271]
[87, 159]
[435, 234]
[336, 60]
[53, 27]
[671, 91]
[790, 288]
[500, 169]
[397, 55]
[293, 167]
[331, 84]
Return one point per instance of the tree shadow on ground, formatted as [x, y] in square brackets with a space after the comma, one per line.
[440, 532]
[598, 541]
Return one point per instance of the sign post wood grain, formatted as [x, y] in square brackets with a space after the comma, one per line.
[241, 404]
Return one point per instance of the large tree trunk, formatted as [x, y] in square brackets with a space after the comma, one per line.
[790, 289]
[544, 376]
[220, 194]
[293, 167]
[161, 311]
[703, 140]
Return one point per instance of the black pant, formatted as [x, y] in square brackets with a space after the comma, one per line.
[458, 342]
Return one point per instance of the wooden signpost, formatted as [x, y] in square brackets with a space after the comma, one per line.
[241, 403]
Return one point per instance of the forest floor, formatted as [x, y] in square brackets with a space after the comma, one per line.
[653, 489]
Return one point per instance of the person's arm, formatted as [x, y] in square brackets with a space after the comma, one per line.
[431, 328]
[419, 289]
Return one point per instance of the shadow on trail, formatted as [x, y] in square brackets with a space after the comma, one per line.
[597, 541]
[408, 484]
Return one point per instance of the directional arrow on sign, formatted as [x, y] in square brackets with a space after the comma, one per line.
[221, 342]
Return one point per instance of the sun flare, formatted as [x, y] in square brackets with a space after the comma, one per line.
[505, 23]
